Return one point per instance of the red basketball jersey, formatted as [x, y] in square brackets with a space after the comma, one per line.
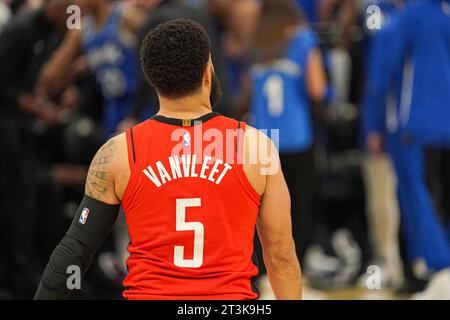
[190, 210]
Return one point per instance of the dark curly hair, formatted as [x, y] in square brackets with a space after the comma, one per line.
[174, 57]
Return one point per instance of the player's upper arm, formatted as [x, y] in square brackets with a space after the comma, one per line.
[274, 221]
[263, 170]
[109, 172]
[260, 158]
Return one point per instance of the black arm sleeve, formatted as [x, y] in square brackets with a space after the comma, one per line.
[92, 223]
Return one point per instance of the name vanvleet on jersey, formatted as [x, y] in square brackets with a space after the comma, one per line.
[186, 167]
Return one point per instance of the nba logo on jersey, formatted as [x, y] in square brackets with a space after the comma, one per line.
[186, 140]
[84, 215]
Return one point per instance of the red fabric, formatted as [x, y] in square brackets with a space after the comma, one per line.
[228, 213]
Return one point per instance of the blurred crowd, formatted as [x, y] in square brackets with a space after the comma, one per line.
[367, 164]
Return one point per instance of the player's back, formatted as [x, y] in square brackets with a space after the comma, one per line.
[279, 93]
[190, 210]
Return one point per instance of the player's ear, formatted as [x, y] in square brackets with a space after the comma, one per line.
[208, 75]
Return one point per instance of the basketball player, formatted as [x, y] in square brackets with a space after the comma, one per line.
[107, 41]
[419, 61]
[379, 115]
[420, 54]
[191, 211]
[287, 75]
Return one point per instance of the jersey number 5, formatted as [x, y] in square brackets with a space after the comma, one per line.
[197, 227]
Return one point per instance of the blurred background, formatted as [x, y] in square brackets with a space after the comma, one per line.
[359, 90]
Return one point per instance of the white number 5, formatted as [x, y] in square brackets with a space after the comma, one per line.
[197, 227]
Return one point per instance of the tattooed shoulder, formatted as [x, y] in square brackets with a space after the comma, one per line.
[100, 178]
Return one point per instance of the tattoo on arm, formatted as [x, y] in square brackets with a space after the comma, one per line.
[100, 182]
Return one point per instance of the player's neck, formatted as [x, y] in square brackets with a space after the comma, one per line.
[191, 107]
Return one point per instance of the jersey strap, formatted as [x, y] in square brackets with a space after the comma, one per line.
[131, 148]
[185, 122]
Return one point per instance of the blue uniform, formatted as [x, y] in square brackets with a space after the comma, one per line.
[422, 38]
[115, 65]
[280, 98]
[383, 89]
[404, 60]
[310, 8]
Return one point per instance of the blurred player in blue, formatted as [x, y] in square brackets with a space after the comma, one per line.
[287, 75]
[107, 45]
[379, 123]
[419, 54]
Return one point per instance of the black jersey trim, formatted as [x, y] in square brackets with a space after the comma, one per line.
[185, 122]
[132, 145]
[237, 138]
